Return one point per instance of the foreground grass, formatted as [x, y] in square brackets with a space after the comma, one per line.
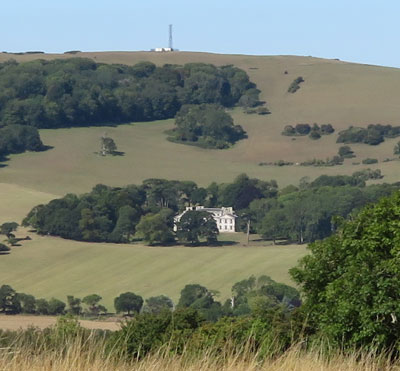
[87, 357]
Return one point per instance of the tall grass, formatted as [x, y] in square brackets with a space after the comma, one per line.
[90, 353]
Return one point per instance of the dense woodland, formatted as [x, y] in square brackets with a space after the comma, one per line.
[300, 214]
[79, 92]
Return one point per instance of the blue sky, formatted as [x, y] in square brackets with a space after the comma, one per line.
[353, 30]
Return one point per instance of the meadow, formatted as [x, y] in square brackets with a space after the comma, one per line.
[52, 267]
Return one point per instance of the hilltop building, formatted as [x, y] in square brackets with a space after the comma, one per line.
[224, 217]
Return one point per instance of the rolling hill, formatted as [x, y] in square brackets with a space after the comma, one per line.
[334, 92]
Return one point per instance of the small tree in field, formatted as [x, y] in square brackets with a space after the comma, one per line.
[108, 146]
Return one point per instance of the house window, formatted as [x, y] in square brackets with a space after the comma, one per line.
[231, 227]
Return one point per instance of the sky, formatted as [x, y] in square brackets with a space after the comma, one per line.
[363, 31]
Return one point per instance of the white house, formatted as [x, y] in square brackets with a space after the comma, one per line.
[224, 217]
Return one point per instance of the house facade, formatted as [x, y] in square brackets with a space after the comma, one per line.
[224, 217]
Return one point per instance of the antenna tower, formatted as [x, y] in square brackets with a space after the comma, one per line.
[170, 37]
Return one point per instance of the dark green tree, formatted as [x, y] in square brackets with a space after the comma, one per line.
[197, 224]
[128, 302]
[92, 302]
[156, 304]
[155, 229]
[8, 228]
[56, 307]
[9, 300]
[74, 305]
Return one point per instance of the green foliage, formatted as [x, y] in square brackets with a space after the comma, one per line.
[314, 132]
[74, 305]
[19, 138]
[157, 304]
[128, 302]
[396, 149]
[55, 307]
[346, 152]
[8, 228]
[206, 125]
[373, 134]
[107, 146]
[295, 85]
[9, 301]
[92, 302]
[80, 92]
[368, 161]
[197, 224]
[156, 228]
[28, 303]
[351, 280]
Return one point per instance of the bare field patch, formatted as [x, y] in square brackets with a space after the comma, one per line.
[19, 322]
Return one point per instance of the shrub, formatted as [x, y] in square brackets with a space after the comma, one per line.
[346, 152]
[303, 129]
[289, 130]
[368, 161]
[295, 85]
[4, 249]
[314, 134]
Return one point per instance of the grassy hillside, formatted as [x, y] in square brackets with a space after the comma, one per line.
[334, 92]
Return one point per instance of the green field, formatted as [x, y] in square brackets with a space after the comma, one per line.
[335, 92]
[47, 267]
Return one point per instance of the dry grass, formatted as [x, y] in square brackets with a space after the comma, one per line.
[95, 359]
[22, 322]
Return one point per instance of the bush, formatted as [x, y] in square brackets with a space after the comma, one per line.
[314, 134]
[303, 129]
[4, 249]
[346, 152]
[368, 161]
[295, 85]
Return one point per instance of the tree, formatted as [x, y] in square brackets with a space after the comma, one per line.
[197, 224]
[346, 152]
[92, 301]
[108, 146]
[396, 149]
[9, 300]
[128, 302]
[28, 303]
[55, 306]
[74, 305]
[42, 306]
[156, 304]
[8, 228]
[154, 228]
[351, 280]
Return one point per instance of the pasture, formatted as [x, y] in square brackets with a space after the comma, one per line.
[52, 267]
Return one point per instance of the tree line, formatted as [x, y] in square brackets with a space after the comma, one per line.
[79, 92]
[299, 214]
[247, 296]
